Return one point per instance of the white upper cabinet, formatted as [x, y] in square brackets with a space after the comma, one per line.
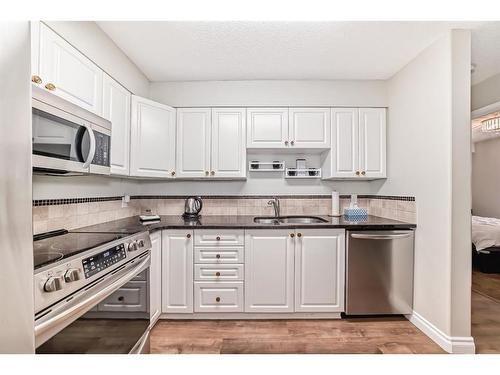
[152, 146]
[319, 270]
[372, 140]
[155, 278]
[267, 127]
[116, 108]
[269, 270]
[193, 142]
[65, 71]
[358, 144]
[309, 127]
[228, 158]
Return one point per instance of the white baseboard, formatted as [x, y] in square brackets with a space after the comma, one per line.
[456, 345]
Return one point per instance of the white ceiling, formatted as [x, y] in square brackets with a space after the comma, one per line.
[190, 51]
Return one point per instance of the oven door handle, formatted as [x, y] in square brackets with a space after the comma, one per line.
[69, 315]
[91, 154]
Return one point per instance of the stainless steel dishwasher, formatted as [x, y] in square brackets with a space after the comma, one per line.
[379, 273]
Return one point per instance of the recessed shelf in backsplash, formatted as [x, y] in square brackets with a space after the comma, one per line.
[261, 166]
[303, 173]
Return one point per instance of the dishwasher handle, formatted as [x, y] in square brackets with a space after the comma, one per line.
[360, 236]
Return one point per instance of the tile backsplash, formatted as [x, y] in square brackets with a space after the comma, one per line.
[55, 214]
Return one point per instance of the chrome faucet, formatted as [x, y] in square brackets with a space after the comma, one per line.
[275, 202]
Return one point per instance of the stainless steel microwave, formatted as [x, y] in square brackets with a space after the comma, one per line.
[68, 139]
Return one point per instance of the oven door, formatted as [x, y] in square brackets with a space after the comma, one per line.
[107, 317]
[61, 141]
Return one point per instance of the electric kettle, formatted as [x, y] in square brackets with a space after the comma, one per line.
[192, 207]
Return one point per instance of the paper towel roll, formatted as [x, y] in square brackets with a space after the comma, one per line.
[335, 203]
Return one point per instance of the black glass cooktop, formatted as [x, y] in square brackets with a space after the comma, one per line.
[53, 246]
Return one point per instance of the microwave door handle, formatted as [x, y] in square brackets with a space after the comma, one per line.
[91, 155]
[83, 306]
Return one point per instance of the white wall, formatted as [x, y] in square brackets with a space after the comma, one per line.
[486, 92]
[16, 245]
[271, 93]
[486, 178]
[88, 38]
[419, 159]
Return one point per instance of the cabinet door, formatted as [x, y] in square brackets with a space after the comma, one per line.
[309, 127]
[269, 271]
[345, 143]
[116, 108]
[228, 159]
[152, 146]
[155, 278]
[319, 270]
[372, 140]
[267, 127]
[193, 142]
[177, 271]
[75, 77]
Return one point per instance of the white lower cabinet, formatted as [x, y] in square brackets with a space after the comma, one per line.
[319, 270]
[269, 270]
[177, 275]
[155, 278]
[218, 296]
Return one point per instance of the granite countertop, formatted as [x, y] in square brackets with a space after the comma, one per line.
[133, 225]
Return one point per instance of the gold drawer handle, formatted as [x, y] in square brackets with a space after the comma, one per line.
[217, 299]
[50, 86]
[188, 235]
[218, 256]
[217, 274]
[217, 238]
[36, 79]
[173, 173]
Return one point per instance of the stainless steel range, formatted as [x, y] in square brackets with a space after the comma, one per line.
[92, 292]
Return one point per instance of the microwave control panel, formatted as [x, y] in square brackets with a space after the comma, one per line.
[102, 149]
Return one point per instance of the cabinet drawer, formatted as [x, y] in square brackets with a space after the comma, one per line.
[218, 297]
[216, 237]
[130, 297]
[218, 255]
[220, 272]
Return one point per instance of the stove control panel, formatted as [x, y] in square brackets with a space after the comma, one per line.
[98, 262]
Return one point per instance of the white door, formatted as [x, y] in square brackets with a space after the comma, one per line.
[74, 77]
[152, 146]
[345, 143]
[177, 271]
[267, 128]
[155, 278]
[116, 108]
[228, 157]
[269, 270]
[319, 270]
[193, 142]
[372, 140]
[309, 127]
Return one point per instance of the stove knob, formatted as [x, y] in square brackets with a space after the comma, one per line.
[53, 284]
[140, 243]
[72, 275]
[133, 246]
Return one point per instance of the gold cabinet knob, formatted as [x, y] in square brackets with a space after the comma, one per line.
[217, 274]
[188, 235]
[36, 79]
[299, 234]
[207, 173]
[357, 173]
[218, 256]
[217, 299]
[292, 235]
[286, 143]
[217, 238]
[212, 173]
[363, 173]
[292, 143]
[173, 173]
[50, 86]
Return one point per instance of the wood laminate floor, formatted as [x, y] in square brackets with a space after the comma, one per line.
[392, 335]
[486, 312]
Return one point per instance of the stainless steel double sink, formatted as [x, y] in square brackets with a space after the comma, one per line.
[277, 220]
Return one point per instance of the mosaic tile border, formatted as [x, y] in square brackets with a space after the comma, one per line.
[54, 202]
